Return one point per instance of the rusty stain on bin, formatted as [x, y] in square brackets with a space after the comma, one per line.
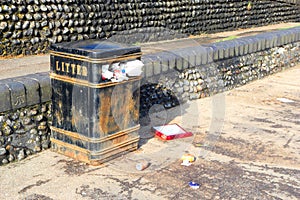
[94, 120]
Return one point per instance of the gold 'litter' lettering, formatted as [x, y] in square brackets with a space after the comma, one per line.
[84, 71]
[67, 66]
[62, 66]
[57, 66]
[78, 69]
[71, 68]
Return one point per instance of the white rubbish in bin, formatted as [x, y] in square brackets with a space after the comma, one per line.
[134, 68]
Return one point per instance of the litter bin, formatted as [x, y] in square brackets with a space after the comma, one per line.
[95, 112]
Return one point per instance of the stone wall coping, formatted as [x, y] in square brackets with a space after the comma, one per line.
[36, 88]
[207, 53]
[24, 91]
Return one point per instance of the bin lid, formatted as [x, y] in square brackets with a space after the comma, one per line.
[95, 48]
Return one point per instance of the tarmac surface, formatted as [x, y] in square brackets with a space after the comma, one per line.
[246, 142]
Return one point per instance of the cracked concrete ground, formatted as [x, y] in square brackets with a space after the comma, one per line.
[247, 144]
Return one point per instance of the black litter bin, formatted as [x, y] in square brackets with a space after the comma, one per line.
[95, 113]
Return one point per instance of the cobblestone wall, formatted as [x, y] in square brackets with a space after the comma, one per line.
[170, 78]
[30, 26]
[24, 132]
[25, 116]
[171, 89]
[200, 71]
[206, 80]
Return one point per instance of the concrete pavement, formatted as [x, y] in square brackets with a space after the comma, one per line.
[247, 144]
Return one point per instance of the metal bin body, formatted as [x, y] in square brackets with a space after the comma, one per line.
[93, 120]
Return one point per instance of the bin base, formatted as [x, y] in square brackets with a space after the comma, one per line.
[96, 157]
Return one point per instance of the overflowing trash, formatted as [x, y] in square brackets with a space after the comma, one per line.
[134, 68]
[121, 71]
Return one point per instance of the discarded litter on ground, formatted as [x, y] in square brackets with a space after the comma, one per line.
[142, 165]
[194, 185]
[285, 100]
[187, 159]
[170, 132]
[186, 163]
[198, 145]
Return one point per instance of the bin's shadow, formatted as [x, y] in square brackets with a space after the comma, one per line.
[158, 106]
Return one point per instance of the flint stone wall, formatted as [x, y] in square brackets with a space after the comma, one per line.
[169, 79]
[201, 71]
[30, 26]
[25, 116]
